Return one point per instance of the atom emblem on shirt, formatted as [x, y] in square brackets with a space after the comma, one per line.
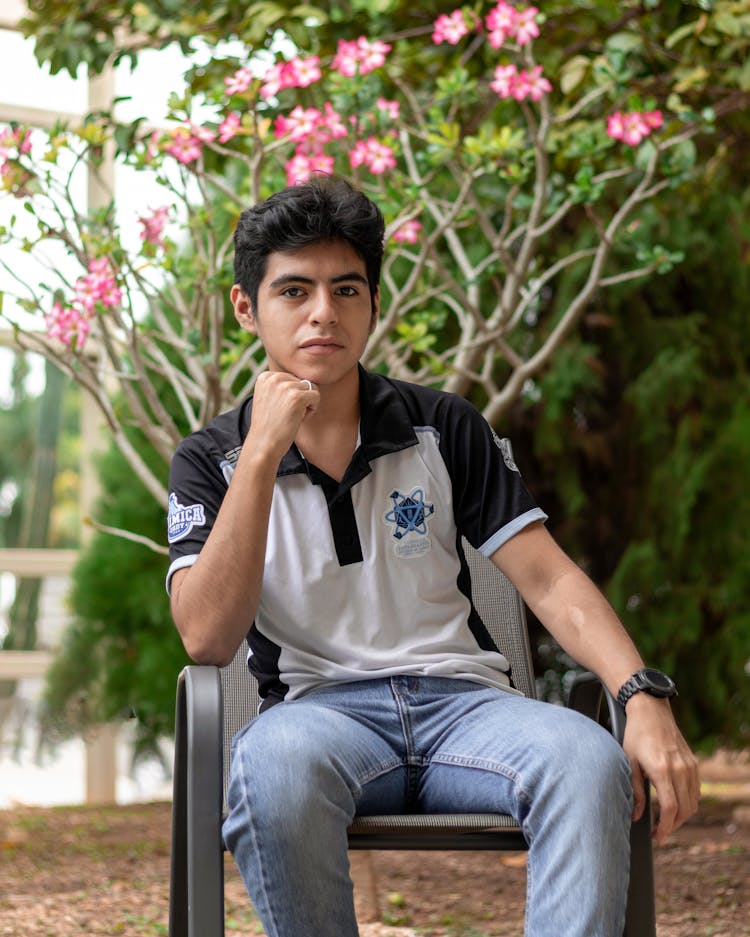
[409, 514]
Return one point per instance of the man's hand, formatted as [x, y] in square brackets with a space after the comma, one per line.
[281, 402]
[660, 755]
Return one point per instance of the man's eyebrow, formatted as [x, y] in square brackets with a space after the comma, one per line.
[287, 278]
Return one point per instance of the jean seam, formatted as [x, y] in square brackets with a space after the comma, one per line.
[482, 764]
[411, 761]
[523, 799]
[264, 884]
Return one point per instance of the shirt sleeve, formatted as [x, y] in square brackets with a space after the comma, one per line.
[491, 502]
[198, 481]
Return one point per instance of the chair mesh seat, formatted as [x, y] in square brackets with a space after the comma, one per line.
[432, 822]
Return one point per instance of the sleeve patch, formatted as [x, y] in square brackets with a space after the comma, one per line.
[504, 447]
[182, 518]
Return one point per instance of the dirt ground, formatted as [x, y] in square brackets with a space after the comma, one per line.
[102, 871]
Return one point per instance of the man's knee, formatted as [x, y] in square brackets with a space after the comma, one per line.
[583, 756]
[598, 771]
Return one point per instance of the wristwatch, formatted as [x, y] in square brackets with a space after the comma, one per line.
[650, 681]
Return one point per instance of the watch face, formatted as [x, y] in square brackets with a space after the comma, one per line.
[658, 680]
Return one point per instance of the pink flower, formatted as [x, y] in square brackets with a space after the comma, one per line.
[531, 85]
[297, 73]
[631, 127]
[153, 226]
[304, 72]
[301, 166]
[501, 24]
[391, 108]
[97, 286]
[615, 126]
[505, 77]
[450, 28]
[184, 145]
[299, 124]
[202, 134]
[298, 169]
[228, 127]
[68, 324]
[505, 22]
[635, 128]
[408, 233]
[371, 54]
[239, 82]
[273, 80]
[320, 162]
[14, 141]
[333, 122]
[377, 156]
[359, 55]
[510, 83]
[526, 27]
[310, 128]
[346, 59]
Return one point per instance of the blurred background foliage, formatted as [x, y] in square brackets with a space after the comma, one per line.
[636, 440]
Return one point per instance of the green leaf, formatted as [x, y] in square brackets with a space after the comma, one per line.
[573, 72]
[689, 29]
[725, 22]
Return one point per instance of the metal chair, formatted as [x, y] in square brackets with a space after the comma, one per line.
[213, 704]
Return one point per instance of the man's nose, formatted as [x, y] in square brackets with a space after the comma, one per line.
[324, 309]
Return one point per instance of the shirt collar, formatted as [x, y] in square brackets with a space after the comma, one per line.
[385, 427]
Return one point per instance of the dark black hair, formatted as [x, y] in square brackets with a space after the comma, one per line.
[326, 208]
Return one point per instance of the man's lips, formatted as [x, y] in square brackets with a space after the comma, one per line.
[320, 344]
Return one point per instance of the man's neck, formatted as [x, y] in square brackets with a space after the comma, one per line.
[328, 437]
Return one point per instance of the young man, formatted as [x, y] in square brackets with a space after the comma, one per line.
[336, 551]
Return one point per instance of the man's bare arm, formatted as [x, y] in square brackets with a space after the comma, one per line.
[579, 617]
[214, 601]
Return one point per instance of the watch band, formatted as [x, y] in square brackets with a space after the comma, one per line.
[628, 689]
[650, 681]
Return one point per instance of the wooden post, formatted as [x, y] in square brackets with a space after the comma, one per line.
[101, 742]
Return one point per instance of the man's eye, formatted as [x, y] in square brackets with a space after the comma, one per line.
[348, 290]
[293, 291]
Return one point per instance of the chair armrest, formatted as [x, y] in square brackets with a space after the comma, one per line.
[589, 696]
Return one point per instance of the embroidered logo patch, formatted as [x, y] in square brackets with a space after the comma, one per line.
[409, 519]
[182, 518]
[504, 446]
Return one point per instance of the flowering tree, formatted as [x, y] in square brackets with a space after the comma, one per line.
[513, 171]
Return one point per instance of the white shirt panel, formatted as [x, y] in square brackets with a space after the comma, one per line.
[398, 611]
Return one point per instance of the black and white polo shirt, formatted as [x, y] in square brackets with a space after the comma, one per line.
[366, 578]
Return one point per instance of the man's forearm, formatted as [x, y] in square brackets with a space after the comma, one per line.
[569, 606]
[583, 622]
[214, 601]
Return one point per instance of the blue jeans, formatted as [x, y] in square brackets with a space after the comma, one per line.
[420, 744]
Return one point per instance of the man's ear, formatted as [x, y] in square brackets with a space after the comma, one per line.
[243, 309]
[375, 310]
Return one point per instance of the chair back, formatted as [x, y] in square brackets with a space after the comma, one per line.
[496, 600]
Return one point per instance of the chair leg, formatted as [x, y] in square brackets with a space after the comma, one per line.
[640, 917]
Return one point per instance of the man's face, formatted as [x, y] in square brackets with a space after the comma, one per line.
[314, 312]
